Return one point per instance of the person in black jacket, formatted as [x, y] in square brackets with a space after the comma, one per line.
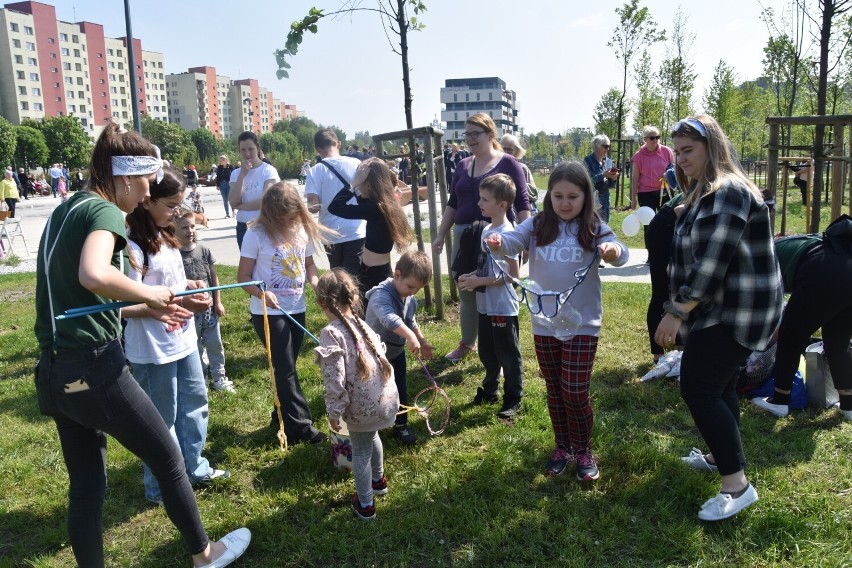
[223, 181]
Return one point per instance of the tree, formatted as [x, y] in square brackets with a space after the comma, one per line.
[206, 144]
[284, 151]
[636, 30]
[649, 103]
[8, 142]
[32, 148]
[67, 141]
[750, 134]
[608, 112]
[721, 99]
[394, 17]
[174, 142]
[677, 74]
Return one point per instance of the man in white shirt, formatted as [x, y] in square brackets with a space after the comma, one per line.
[323, 182]
[55, 173]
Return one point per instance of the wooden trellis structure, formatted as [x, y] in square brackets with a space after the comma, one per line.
[432, 139]
[839, 158]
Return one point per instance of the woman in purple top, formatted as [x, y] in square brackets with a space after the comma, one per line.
[487, 158]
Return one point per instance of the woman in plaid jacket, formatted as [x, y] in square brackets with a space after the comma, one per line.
[726, 299]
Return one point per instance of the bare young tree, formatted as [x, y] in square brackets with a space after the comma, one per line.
[677, 74]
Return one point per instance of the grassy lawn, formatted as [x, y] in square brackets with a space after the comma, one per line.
[474, 496]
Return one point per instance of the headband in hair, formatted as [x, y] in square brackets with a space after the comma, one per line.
[138, 165]
[694, 123]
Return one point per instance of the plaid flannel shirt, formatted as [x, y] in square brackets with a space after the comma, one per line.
[723, 257]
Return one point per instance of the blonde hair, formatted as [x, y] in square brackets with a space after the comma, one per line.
[485, 122]
[283, 199]
[723, 165]
[337, 290]
[512, 142]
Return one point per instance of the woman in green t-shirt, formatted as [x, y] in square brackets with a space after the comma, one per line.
[82, 380]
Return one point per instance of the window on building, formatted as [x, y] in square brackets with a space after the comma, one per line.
[84, 121]
[114, 102]
[53, 56]
[63, 37]
[28, 30]
[30, 46]
[58, 99]
[72, 108]
[110, 52]
[22, 90]
[82, 108]
[111, 76]
[38, 106]
[55, 70]
[69, 80]
[32, 61]
[81, 95]
[69, 94]
[113, 90]
[119, 53]
[111, 64]
[115, 114]
[33, 76]
[490, 96]
[36, 91]
[75, 39]
[14, 27]
[16, 43]
[76, 53]
[66, 66]
[120, 65]
[80, 81]
[78, 67]
[19, 59]
[101, 81]
[467, 97]
[51, 40]
[65, 51]
[25, 105]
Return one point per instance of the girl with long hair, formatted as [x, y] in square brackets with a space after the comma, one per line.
[387, 225]
[726, 299]
[278, 249]
[82, 379]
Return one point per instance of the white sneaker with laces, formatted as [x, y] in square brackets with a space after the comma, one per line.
[696, 460]
[236, 543]
[223, 384]
[779, 410]
[724, 506]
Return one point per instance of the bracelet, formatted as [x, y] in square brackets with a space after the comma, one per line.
[671, 309]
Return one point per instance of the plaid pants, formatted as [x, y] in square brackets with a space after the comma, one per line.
[567, 370]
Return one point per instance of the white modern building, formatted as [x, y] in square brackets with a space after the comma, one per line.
[464, 97]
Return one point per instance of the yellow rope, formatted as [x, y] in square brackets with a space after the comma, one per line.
[282, 437]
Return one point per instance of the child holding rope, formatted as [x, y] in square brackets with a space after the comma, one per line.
[566, 236]
[390, 312]
[278, 248]
[359, 385]
[163, 348]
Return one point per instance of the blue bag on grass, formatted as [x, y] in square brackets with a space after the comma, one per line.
[798, 393]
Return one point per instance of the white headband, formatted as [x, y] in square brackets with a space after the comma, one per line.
[138, 165]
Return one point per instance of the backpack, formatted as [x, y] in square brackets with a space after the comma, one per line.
[470, 256]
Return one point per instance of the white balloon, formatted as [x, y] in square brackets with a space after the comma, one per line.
[630, 226]
[645, 214]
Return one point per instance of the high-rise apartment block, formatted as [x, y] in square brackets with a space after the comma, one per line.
[53, 68]
[464, 97]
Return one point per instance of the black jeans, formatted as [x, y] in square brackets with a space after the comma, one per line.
[242, 228]
[286, 341]
[400, 364]
[371, 276]
[820, 297]
[89, 394]
[499, 347]
[708, 379]
[658, 239]
[346, 255]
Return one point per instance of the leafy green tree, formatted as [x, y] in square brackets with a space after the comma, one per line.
[284, 151]
[303, 129]
[636, 30]
[174, 142]
[751, 134]
[206, 144]
[677, 75]
[67, 141]
[31, 148]
[608, 111]
[8, 142]
[649, 103]
[721, 99]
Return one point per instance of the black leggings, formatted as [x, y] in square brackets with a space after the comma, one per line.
[821, 297]
[89, 394]
[708, 379]
[658, 239]
[286, 341]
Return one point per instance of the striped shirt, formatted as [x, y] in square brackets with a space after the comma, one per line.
[723, 257]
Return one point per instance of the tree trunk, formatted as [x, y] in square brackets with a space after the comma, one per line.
[822, 87]
[402, 22]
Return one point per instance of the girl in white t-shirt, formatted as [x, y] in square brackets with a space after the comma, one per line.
[161, 345]
[278, 248]
[249, 182]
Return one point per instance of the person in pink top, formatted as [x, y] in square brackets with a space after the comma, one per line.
[649, 165]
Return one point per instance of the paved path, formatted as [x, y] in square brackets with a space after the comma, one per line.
[220, 237]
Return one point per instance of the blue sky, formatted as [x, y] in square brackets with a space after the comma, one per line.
[553, 53]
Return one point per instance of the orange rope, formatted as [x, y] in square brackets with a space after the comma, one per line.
[282, 437]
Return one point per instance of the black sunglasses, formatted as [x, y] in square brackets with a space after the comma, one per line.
[652, 138]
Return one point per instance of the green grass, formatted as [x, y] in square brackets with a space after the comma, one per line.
[474, 496]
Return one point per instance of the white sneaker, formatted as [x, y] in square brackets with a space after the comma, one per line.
[236, 543]
[779, 410]
[847, 414]
[223, 384]
[724, 506]
[696, 460]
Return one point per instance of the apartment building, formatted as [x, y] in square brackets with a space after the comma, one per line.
[464, 97]
[64, 68]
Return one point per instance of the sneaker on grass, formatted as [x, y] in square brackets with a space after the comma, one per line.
[587, 467]
[223, 384]
[460, 352]
[380, 487]
[367, 513]
[559, 460]
[725, 505]
[779, 410]
[697, 460]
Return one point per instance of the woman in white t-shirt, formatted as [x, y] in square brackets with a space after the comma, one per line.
[278, 249]
[249, 182]
[162, 346]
